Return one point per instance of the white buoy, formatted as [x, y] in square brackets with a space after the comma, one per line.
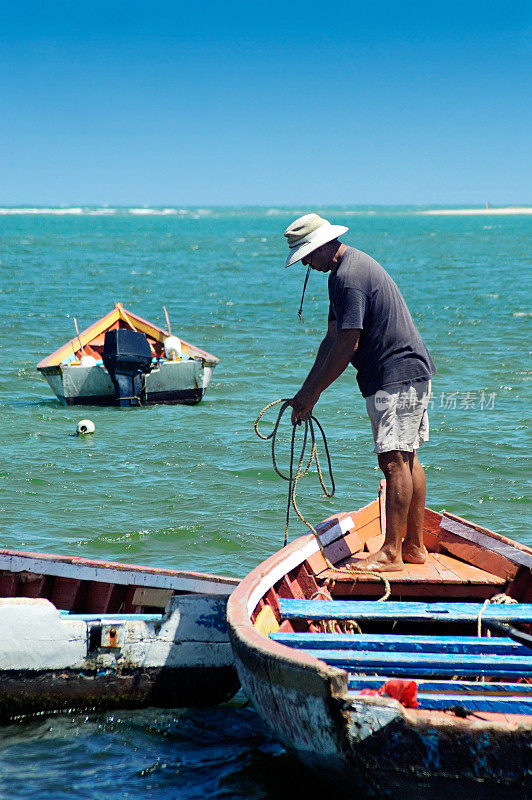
[172, 348]
[85, 426]
[88, 361]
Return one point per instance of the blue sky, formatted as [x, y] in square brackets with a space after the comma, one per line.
[268, 103]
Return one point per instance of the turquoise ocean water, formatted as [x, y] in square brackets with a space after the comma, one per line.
[192, 487]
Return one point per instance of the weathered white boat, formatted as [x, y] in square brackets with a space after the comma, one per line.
[77, 374]
[80, 633]
[399, 699]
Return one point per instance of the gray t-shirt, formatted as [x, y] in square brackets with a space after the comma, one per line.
[390, 350]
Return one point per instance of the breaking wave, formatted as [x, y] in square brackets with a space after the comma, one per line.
[91, 211]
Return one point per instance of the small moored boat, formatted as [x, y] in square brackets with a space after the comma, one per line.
[126, 360]
[407, 698]
[80, 633]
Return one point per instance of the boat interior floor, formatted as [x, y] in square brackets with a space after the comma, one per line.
[461, 580]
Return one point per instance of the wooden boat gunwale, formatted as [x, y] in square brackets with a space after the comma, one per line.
[265, 576]
[115, 571]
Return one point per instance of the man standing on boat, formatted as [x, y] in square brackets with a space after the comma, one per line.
[371, 328]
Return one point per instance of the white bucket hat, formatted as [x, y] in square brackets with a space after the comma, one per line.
[307, 234]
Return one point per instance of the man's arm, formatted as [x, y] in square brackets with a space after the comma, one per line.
[334, 354]
[323, 350]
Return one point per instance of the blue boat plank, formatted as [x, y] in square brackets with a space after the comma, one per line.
[474, 703]
[413, 612]
[445, 687]
[501, 705]
[108, 619]
[394, 643]
[428, 663]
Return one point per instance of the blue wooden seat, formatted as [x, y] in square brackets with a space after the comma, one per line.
[433, 686]
[402, 610]
[371, 659]
[499, 697]
[109, 619]
[401, 664]
[391, 643]
[504, 705]
[513, 704]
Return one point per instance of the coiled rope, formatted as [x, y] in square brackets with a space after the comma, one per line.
[309, 436]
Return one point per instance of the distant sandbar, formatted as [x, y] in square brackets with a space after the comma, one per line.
[479, 211]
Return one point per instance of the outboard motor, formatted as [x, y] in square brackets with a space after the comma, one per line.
[127, 358]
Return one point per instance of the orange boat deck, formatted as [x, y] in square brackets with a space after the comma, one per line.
[461, 579]
[458, 566]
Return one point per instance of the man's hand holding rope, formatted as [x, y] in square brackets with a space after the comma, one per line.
[302, 405]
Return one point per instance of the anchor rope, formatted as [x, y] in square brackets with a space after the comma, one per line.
[309, 435]
[497, 599]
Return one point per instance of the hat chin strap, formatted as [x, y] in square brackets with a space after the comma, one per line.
[300, 312]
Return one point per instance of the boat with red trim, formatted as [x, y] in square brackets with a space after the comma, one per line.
[392, 690]
[88, 634]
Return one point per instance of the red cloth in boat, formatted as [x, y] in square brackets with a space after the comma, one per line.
[402, 690]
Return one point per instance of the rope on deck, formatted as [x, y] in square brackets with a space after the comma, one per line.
[309, 435]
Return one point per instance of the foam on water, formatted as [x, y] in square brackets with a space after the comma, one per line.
[161, 212]
[51, 211]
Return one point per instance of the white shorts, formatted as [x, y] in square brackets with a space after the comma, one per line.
[399, 418]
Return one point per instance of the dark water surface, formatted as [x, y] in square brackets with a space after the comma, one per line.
[192, 487]
[188, 754]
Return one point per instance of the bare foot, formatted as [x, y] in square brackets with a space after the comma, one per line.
[414, 554]
[379, 562]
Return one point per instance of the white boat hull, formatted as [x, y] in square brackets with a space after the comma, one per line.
[49, 660]
[81, 633]
[172, 382]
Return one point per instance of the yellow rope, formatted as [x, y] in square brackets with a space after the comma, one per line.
[497, 599]
[300, 472]
[328, 625]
